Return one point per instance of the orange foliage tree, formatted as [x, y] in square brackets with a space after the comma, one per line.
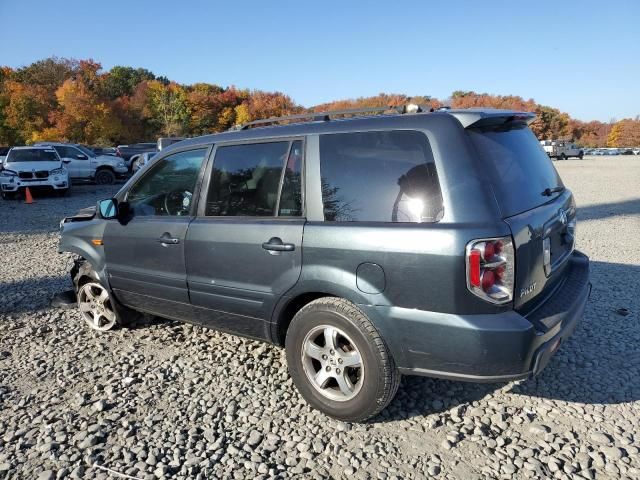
[66, 99]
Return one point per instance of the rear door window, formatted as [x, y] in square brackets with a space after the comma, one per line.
[386, 176]
[518, 168]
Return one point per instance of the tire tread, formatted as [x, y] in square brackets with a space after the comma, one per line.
[391, 374]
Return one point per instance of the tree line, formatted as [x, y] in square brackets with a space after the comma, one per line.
[59, 99]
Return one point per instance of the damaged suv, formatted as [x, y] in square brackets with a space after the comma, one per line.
[33, 167]
[420, 243]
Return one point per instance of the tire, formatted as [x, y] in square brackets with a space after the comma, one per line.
[87, 283]
[374, 380]
[562, 157]
[580, 155]
[105, 177]
[62, 193]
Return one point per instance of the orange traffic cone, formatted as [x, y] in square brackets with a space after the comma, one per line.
[27, 196]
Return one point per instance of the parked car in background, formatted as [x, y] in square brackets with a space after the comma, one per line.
[438, 244]
[636, 151]
[561, 149]
[83, 164]
[128, 151]
[3, 154]
[33, 167]
[142, 160]
[104, 150]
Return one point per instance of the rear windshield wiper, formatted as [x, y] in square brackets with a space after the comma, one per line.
[550, 191]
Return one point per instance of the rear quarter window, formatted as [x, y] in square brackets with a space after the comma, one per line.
[386, 176]
[517, 166]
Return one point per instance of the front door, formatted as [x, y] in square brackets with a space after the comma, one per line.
[145, 253]
[244, 248]
[77, 163]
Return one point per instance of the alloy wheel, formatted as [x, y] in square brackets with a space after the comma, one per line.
[332, 362]
[95, 306]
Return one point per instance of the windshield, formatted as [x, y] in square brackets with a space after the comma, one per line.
[519, 169]
[86, 151]
[32, 155]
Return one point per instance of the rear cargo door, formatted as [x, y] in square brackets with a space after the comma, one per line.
[534, 203]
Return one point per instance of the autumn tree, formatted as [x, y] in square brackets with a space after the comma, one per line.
[378, 101]
[26, 109]
[625, 133]
[83, 116]
[121, 81]
[205, 106]
[260, 105]
[168, 104]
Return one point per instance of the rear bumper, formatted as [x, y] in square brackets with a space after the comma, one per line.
[485, 348]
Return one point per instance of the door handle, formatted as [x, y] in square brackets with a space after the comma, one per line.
[275, 244]
[167, 239]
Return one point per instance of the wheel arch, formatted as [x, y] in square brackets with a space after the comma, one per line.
[302, 295]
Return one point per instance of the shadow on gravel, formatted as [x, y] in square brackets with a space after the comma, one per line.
[600, 364]
[607, 210]
[31, 295]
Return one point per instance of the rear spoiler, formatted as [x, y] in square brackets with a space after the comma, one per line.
[491, 118]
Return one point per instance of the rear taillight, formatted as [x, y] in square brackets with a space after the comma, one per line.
[490, 266]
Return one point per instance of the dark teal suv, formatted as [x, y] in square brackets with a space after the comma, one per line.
[420, 243]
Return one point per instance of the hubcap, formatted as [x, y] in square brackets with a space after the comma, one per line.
[95, 306]
[332, 363]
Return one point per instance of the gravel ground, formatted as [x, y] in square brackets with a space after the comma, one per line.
[164, 399]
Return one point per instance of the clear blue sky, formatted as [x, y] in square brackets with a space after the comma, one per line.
[582, 57]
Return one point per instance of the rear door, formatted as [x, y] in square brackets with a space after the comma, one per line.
[534, 203]
[244, 248]
[146, 253]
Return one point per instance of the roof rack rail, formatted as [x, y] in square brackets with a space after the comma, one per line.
[326, 116]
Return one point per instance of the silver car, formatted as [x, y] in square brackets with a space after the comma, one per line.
[83, 164]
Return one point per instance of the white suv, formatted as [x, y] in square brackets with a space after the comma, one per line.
[83, 164]
[33, 167]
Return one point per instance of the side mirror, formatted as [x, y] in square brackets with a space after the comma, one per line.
[108, 208]
[66, 161]
[81, 156]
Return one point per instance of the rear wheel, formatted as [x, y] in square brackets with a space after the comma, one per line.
[105, 177]
[339, 362]
[580, 155]
[562, 156]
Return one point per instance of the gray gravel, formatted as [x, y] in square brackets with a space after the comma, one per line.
[164, 399]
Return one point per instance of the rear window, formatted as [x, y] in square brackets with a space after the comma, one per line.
[384, 176]
[32, 155]
[518, 168]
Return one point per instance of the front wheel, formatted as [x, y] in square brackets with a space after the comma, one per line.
[105, 177]
[99, 309]
[339, 362]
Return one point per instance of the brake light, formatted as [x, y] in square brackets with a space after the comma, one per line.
[490, 269]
